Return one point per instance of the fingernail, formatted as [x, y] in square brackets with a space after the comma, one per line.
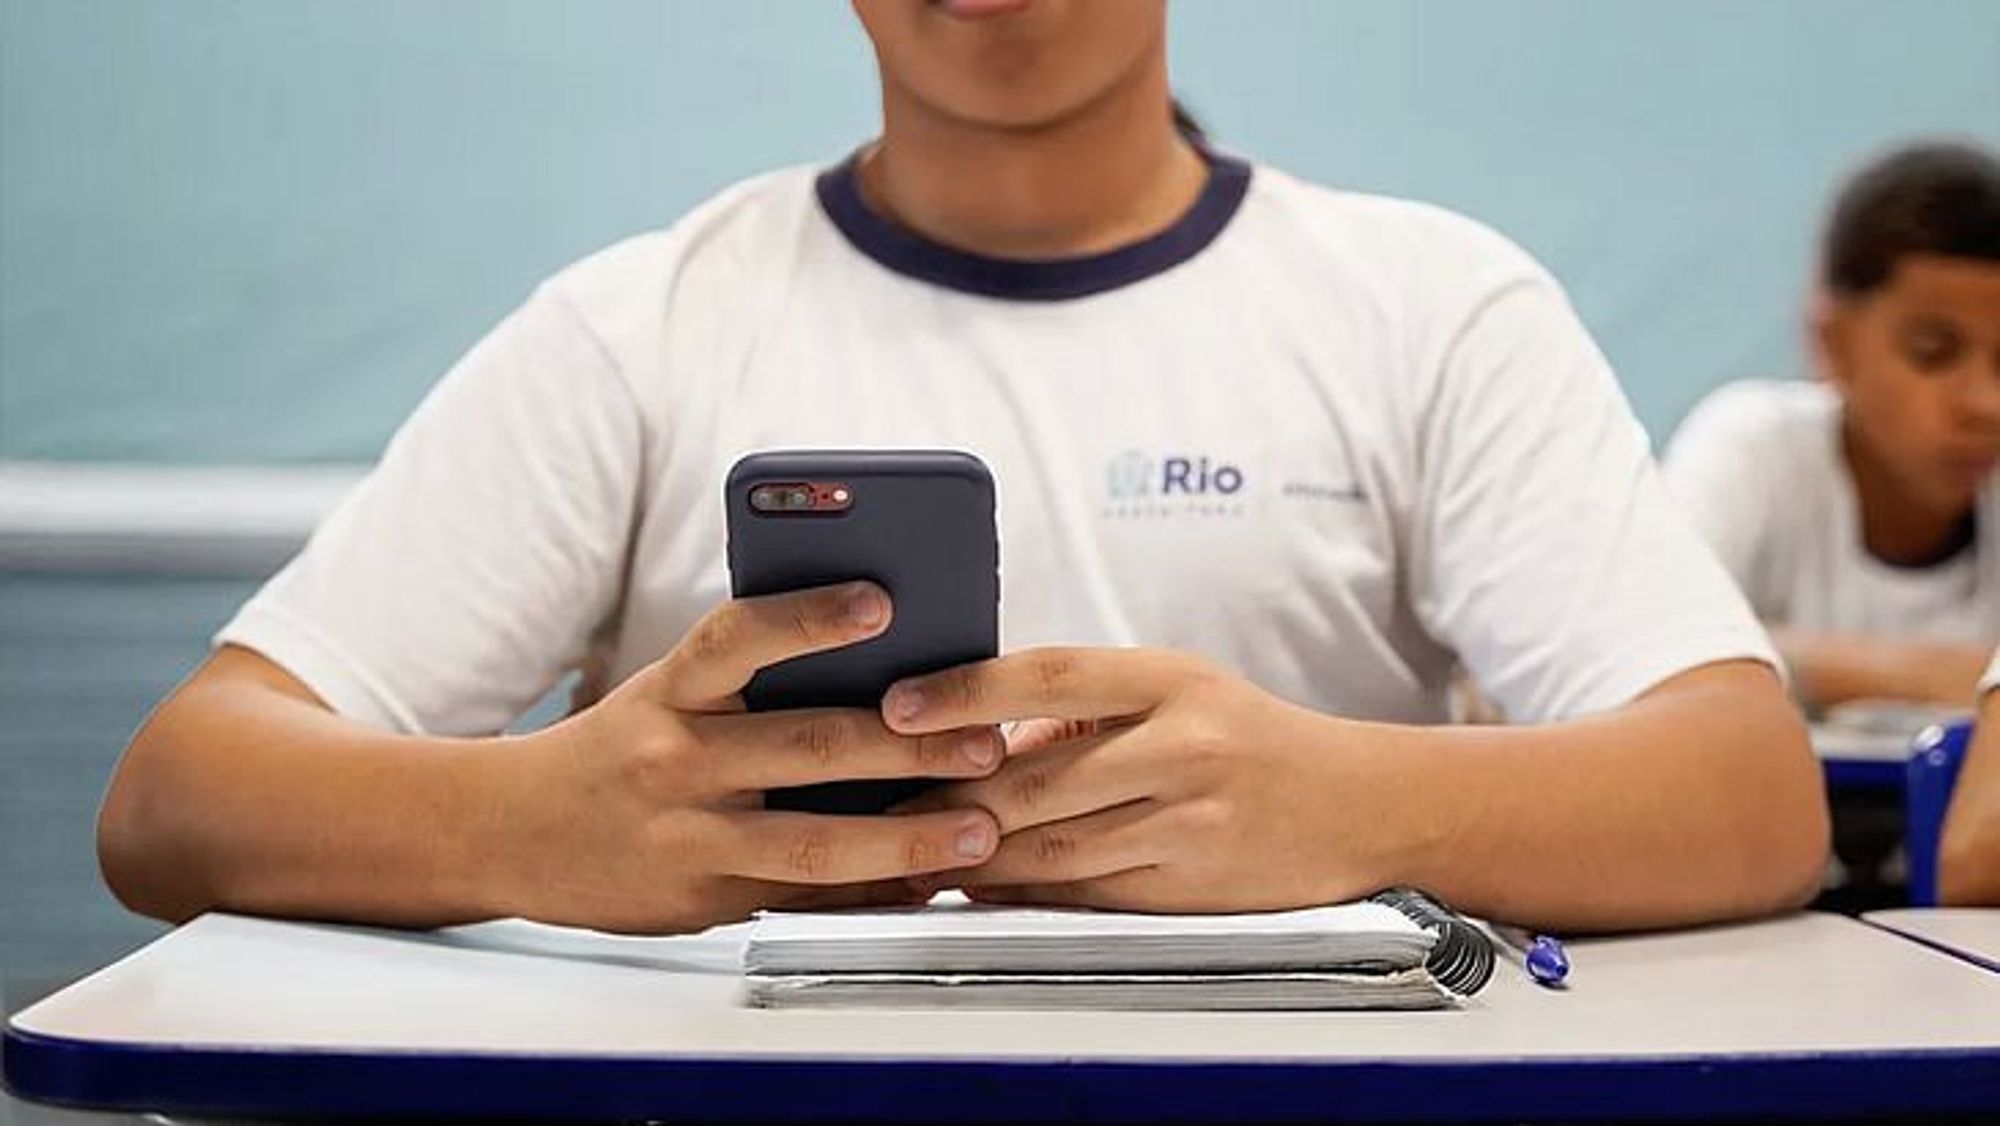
[905, 702]
[865, 607]
[974, 841]
[981, 748]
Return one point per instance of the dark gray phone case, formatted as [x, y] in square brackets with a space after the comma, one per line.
[920, 525]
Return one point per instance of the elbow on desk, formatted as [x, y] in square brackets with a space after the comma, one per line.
[1968, 856]
[1797, 883]
[136, 856]
[1786, 832]
[1800, 870]
[1968, 865]
[1769, 811]
[1785, 875]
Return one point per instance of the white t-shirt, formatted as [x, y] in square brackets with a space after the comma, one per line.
[1332, 441]
[1759, 466]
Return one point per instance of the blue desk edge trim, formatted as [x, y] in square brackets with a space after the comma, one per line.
[269, 1082]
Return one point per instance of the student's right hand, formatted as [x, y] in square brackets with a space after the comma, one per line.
[644, 813]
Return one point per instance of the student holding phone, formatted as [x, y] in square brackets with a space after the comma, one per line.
[1861, 512]
[1273, 460]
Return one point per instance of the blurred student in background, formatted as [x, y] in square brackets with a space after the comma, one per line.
[1969, 854]
[1859, 512]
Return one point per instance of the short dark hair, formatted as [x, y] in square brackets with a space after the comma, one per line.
[1936, 197]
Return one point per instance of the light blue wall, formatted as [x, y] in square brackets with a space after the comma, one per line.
[257, 229]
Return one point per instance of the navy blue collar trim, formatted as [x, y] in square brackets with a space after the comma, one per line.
[1054, 279]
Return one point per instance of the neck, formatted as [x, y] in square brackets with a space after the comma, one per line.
[1107, 175]
[1897, 528]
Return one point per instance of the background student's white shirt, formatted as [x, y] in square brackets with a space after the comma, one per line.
[1991, 680]
[1335, 442]
[1759, 466]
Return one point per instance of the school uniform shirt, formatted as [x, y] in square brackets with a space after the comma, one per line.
[1333, 442]
[1759, 466]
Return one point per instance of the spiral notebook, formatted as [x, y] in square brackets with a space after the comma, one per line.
[1396, 950]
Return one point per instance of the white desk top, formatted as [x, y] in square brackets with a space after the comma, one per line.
[1805, 984]
[1971, 931]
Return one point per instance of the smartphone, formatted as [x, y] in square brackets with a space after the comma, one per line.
[919, 524]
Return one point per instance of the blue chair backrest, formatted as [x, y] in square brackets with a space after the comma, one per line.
[1935, 757]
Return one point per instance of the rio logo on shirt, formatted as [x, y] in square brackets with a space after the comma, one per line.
[1140, 485]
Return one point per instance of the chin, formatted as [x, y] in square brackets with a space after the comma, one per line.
[1024, 116]
[1003, 102]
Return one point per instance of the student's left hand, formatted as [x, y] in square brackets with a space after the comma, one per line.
[1154, 781]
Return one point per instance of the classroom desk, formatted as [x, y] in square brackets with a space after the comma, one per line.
[1972, 933]
[1810, 1014]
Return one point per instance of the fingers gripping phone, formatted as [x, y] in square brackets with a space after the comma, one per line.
[919, 524]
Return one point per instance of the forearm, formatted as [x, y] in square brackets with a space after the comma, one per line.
[1833, 668]
[1969, 853]
[1697, 802]
[237, 795]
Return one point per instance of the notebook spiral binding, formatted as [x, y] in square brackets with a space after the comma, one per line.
[1463, 959]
